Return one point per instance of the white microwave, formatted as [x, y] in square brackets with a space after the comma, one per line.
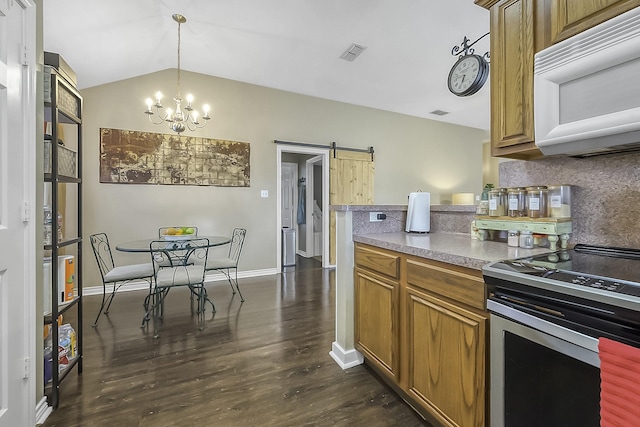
[587, 90]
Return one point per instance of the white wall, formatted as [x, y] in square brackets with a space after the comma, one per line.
[411, 153]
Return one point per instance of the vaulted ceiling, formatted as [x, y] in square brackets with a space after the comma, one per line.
[293, 45]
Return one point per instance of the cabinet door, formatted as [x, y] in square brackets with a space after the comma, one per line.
[570, 17]
[447, 361]
[512, 53]
[376, 322]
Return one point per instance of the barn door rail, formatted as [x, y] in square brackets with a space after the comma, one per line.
[333, 146]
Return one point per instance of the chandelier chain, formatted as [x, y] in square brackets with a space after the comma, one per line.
[179, 25]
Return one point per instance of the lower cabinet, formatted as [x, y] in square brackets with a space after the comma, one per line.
[377, 321]
[377, 304]
[426, 332]
[446, 346]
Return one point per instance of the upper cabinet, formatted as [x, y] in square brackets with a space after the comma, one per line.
[519, 29]
[569, 17]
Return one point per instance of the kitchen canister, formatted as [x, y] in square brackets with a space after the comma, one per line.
[513, 238]
[526, 239]
[559, 201]
[517, 202]
[498, 202]
[537, 202]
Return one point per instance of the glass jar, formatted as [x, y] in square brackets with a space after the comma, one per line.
[537, 202]
[513, 238]
[526, 239]
[498, 202]
[559, 201]
[540, 240]
[517, 202]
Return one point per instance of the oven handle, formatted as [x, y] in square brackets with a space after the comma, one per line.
[574, 337]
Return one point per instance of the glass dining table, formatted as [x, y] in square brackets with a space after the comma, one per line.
[177, 252]
[173, 242]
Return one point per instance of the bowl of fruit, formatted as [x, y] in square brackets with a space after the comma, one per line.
[179, 233]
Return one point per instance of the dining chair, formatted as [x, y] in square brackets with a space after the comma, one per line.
[170, 271]
[229, 264]
[116, 275]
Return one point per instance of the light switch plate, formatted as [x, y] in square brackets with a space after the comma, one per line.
[264, 193]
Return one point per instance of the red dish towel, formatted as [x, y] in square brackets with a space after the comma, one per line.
[619, 384]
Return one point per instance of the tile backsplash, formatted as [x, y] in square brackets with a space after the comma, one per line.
[605, 193]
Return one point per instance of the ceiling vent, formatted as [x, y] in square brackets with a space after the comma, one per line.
[439, 112]
[352, 52]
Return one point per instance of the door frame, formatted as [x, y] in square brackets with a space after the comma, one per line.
[310, 176]
[22, 213]
[324, 153]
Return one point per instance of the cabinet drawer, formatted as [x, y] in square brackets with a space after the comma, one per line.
[463, 286]
[376, 260]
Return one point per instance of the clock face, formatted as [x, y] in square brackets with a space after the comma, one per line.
[468, 75]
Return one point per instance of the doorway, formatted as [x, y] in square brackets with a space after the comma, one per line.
[310, 200]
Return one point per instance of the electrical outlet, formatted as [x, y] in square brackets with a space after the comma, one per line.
[264, 193]
[373, 216]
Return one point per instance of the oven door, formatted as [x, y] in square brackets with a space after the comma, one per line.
[542, 374]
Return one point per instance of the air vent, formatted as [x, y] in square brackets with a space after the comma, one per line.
[439, 112]
[352, 52]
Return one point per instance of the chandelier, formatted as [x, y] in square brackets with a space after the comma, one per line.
[182, 118]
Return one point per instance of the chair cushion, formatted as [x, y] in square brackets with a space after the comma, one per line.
[129, 272]
[179, 276]
[220, 263]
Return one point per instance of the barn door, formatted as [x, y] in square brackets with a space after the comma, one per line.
[350, 183]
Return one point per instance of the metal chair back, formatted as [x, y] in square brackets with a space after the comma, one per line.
[178, 254]
[237, 241]
[102, 252]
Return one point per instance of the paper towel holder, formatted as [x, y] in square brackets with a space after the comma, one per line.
[419, 213]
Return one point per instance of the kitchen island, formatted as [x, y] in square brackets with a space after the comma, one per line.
[414, 306]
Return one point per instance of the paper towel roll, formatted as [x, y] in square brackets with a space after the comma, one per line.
[419, 212]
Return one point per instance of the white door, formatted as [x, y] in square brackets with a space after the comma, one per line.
[289, 196]
[17, 191]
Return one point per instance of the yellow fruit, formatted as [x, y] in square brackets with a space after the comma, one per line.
[171, 231]
[178, 233]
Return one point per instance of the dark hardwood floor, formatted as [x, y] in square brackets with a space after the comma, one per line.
[263, 362]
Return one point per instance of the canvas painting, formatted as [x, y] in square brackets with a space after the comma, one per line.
[134, 157]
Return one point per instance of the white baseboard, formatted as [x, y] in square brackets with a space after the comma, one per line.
[139, 285]
[43, 410]
[346, 358]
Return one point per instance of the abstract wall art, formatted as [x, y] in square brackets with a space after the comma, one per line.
[134, 157]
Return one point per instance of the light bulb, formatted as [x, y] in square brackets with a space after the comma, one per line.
[149, 104]
[205, 107]
[189, 98]
[158, 97]
[194, 116]
[169, 114]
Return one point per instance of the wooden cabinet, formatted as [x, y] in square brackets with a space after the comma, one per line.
[519, 29]
[513, 45]
[570, 17]
[376, 307]
[446, 344]
[423, 325]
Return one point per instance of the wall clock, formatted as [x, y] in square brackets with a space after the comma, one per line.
[468, 75]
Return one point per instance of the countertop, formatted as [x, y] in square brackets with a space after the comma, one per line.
[453, 248]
